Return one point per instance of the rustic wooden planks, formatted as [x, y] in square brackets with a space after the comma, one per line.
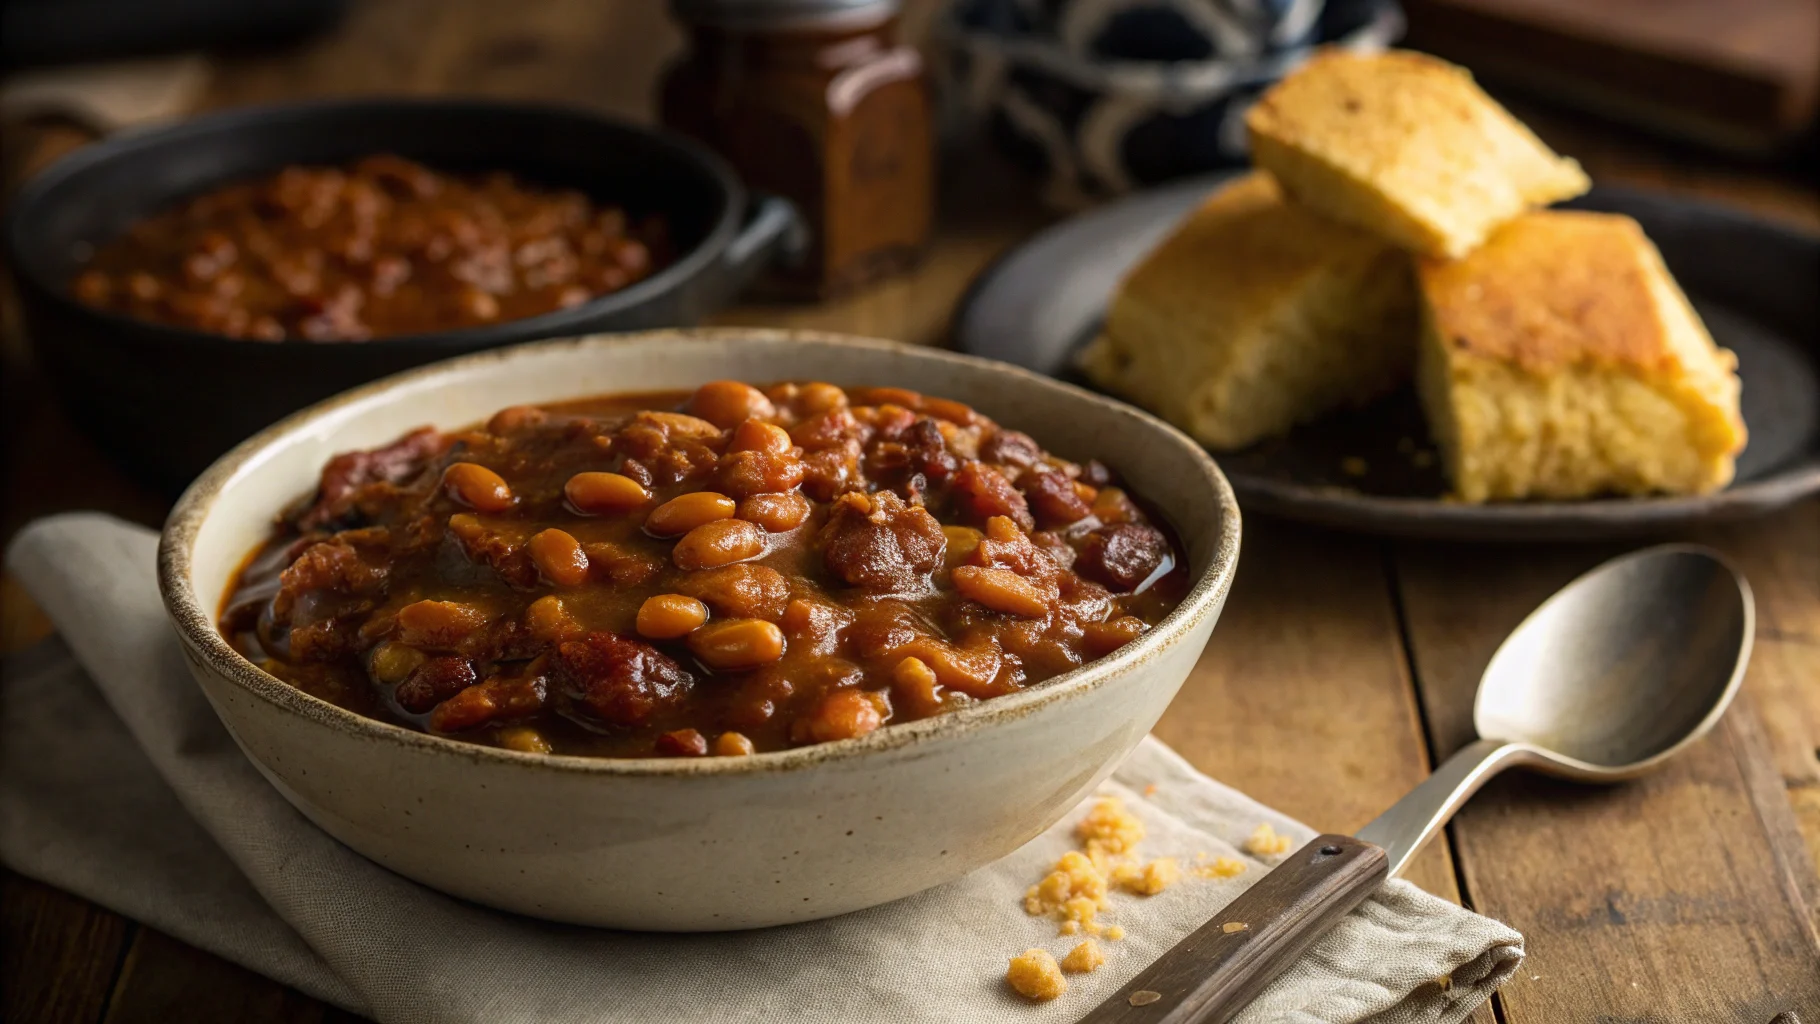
[59, 954]
[1684, 896]
[1303, 699]
[1697, 885]
[164, 979]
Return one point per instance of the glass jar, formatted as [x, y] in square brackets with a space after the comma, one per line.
[817, 101]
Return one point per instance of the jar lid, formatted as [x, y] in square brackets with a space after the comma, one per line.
[769, 14]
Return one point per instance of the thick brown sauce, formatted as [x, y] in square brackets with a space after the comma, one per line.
[386, 247]
[851, 602]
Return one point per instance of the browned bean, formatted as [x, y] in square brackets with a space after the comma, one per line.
[685, 512]
[1001, 590]
[818, 397]
[916, 682]
[523, 738]
[477, 487]
[391, 662]
[734, 744]
[963, 541]
[759, 436]
[549, 621]
[558, 555]
[845, 714]
[1102, 638]
[600, 493]
[438, 623]
[514, 418]
[725, 403]
[682, 743]
[669, 616]
[776, 513]
[681, 425]
[743, 474]
[718, 543]
[735, 644]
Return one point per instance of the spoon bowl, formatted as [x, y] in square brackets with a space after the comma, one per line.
[1623, 667]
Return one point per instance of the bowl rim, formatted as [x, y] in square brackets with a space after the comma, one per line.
[194, 619]
[134, 143]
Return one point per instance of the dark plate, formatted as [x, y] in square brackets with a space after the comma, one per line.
[1754, 283]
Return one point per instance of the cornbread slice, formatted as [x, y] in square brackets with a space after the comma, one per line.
[1405, 146]
[1257, 315]
[1560, 360]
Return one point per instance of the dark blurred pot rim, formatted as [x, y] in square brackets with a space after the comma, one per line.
[127, 145]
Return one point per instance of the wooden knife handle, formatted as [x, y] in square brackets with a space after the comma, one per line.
[1212, 974]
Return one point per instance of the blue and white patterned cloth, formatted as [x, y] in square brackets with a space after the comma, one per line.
[1101, 97]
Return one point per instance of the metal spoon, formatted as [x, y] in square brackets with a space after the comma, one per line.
[1614, 674]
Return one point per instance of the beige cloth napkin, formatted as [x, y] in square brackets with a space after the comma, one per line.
[118, 783]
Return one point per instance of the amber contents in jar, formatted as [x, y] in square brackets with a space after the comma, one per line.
[826, 109]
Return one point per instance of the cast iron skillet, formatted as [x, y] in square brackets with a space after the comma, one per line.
[165, 401]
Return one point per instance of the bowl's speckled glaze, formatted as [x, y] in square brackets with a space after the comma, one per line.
[707, 843]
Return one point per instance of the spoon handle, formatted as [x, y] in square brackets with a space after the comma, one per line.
[1410, 822]
[1214, 972]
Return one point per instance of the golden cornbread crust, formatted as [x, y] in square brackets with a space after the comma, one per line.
[1255, 315]
[1560, 360]
[1406, 146]
[1549, 290]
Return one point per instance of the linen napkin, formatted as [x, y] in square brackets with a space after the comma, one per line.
[118, 783]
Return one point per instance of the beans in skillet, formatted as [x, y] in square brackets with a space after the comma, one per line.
[384, 247]
[717, 573]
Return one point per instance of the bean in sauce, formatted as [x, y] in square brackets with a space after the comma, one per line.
[721, 573]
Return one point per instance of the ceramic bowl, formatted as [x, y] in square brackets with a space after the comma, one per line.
[706, 843]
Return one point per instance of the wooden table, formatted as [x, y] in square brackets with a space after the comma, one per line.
[1344, 666]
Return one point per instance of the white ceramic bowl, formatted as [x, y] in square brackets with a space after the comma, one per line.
[703, 843]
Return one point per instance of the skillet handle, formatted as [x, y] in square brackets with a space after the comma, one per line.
[773, 229]
[1208, 977]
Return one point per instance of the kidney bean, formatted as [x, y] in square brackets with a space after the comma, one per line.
[682, 743]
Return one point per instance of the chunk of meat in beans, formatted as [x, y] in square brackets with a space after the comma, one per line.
[722, 573]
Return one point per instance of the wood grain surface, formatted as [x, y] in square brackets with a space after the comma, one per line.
[1342, 669]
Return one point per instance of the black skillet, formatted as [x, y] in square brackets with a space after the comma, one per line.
[165, 401]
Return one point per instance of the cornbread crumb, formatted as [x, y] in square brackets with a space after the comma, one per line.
[1035, 975]
[1265, 842]
[1150, 790]
[1232, 927]
[1153, 877]
[1075, 884]
[1084, 958]
[1219, 867]
[1109, 829]
[1113, 933]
